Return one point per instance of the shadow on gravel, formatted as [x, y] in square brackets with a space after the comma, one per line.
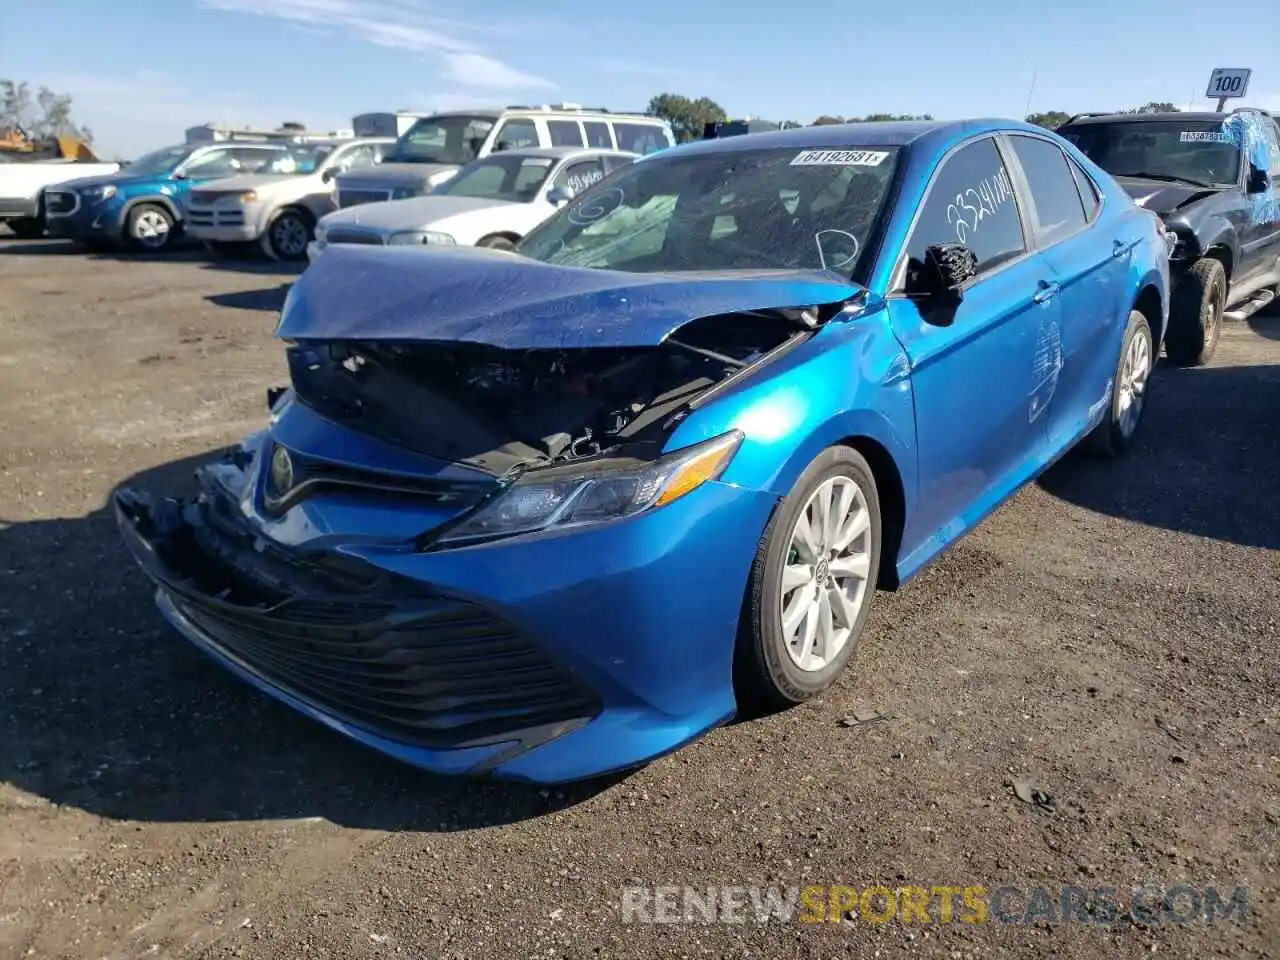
[105, 708]
[268, 298]
[1206, 461]
[1266, 324]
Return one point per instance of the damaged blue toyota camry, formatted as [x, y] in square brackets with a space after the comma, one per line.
[552, 513]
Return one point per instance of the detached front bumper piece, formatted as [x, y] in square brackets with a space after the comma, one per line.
[433, 679]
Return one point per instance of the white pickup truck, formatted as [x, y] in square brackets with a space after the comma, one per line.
[22, 180]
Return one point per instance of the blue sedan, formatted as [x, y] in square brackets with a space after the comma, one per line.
[550, 514]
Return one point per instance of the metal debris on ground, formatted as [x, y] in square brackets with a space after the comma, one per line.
[864, 715]
[1029, 792]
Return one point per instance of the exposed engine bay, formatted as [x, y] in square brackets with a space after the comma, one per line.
[502, 410]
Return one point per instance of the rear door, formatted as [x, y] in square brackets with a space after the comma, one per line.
[974, 367]
[1089, 258]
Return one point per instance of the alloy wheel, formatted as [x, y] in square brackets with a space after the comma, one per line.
[1134, 371]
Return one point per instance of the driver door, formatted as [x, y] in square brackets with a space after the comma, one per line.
[979, 402]
[1260, 237]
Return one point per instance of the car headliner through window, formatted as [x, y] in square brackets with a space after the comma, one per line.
[778, 208]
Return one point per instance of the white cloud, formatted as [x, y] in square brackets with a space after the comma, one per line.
[408, 25]
[479, 70]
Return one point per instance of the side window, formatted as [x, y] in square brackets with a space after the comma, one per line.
[564, 133]
[516, 134]
[615, 163]
[249, 160]
[580, 176]
[598, 134]
[358, 158]
[211, 164]
[971, 201]
[640, 138]
[1088, 190]
[1272, 132]
[1057, 199]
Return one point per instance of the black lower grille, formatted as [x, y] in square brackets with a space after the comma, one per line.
[352, 236]
[353, 198]
[442, 675]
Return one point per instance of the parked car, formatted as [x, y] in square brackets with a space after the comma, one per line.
[278, 206]
[22, 181]
[1215, 180]
[141, 206]
[551, 515]
[492, 203]
[436, 147]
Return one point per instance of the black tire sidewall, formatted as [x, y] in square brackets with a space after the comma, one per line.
[1195, 313]
[768, 672]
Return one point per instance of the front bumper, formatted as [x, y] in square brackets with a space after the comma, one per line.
[88, 220]
[549, 658]
[18, 207]
[241, 234]
[225, 223]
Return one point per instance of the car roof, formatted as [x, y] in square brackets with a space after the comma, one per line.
[928, 134]
[555, 113]
[1196, 116]
[559, 153]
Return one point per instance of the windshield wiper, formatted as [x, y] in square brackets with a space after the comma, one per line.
[1165, 177]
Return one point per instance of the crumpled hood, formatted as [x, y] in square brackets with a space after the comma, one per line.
[505, 300]
[1160, 197]
[393, 173]
[414, 213]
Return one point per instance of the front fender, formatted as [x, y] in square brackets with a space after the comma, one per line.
[1196, 239]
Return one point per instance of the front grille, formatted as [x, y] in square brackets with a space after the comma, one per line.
[204, 217]
[352, 236]
[437, 673]
[59, 202]
[352, 198]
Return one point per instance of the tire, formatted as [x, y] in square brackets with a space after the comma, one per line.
[1195, 313]
[149, 227]
[26, 228]
[770, 669]
[497, 243]
[287, 236]
[1115, 434]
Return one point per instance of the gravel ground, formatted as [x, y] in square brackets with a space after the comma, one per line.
[1110, 634]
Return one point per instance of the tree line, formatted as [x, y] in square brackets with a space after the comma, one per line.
[40, 114]
[688, 117]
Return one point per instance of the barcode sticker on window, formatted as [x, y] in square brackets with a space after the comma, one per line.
[839, 158]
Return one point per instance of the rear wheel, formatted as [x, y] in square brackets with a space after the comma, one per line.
[811, 583]
[497, 243]
[287, 236]
[1195, 313]
[150, 227]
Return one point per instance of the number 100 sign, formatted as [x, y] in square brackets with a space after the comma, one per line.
[1228, 82]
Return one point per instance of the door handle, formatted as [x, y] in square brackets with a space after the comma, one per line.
[1048, 289]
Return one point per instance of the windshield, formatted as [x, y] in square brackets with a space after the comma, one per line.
[778, 208]
[161, 161]
[500, 177]
[1201, 154]
[299, 160]
[445, 139]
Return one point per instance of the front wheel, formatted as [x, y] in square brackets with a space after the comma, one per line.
[1114, 435]
[1195, 313]
[150, 227]
[287, 237]
[811, 583]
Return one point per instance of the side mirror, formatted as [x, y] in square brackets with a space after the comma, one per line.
[947, 268]
[1258, 182]
[559, 195]
[327, 175]
[181, 175]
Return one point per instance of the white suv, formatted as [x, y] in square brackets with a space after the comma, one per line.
[278, 206]
[435, 147]
[492, 202]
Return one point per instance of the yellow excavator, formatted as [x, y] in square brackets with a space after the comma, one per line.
[19, 145]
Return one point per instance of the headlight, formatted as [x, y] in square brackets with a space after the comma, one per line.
[249, 196]
[420, 237]
[104, 192]
[404, 193]
[540, 501]
[319, 232]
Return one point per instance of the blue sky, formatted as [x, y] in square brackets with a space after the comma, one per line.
[142, 71]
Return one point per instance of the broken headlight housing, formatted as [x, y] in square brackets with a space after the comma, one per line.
[554, 500]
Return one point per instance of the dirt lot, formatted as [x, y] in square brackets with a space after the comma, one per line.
[1111, 633]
